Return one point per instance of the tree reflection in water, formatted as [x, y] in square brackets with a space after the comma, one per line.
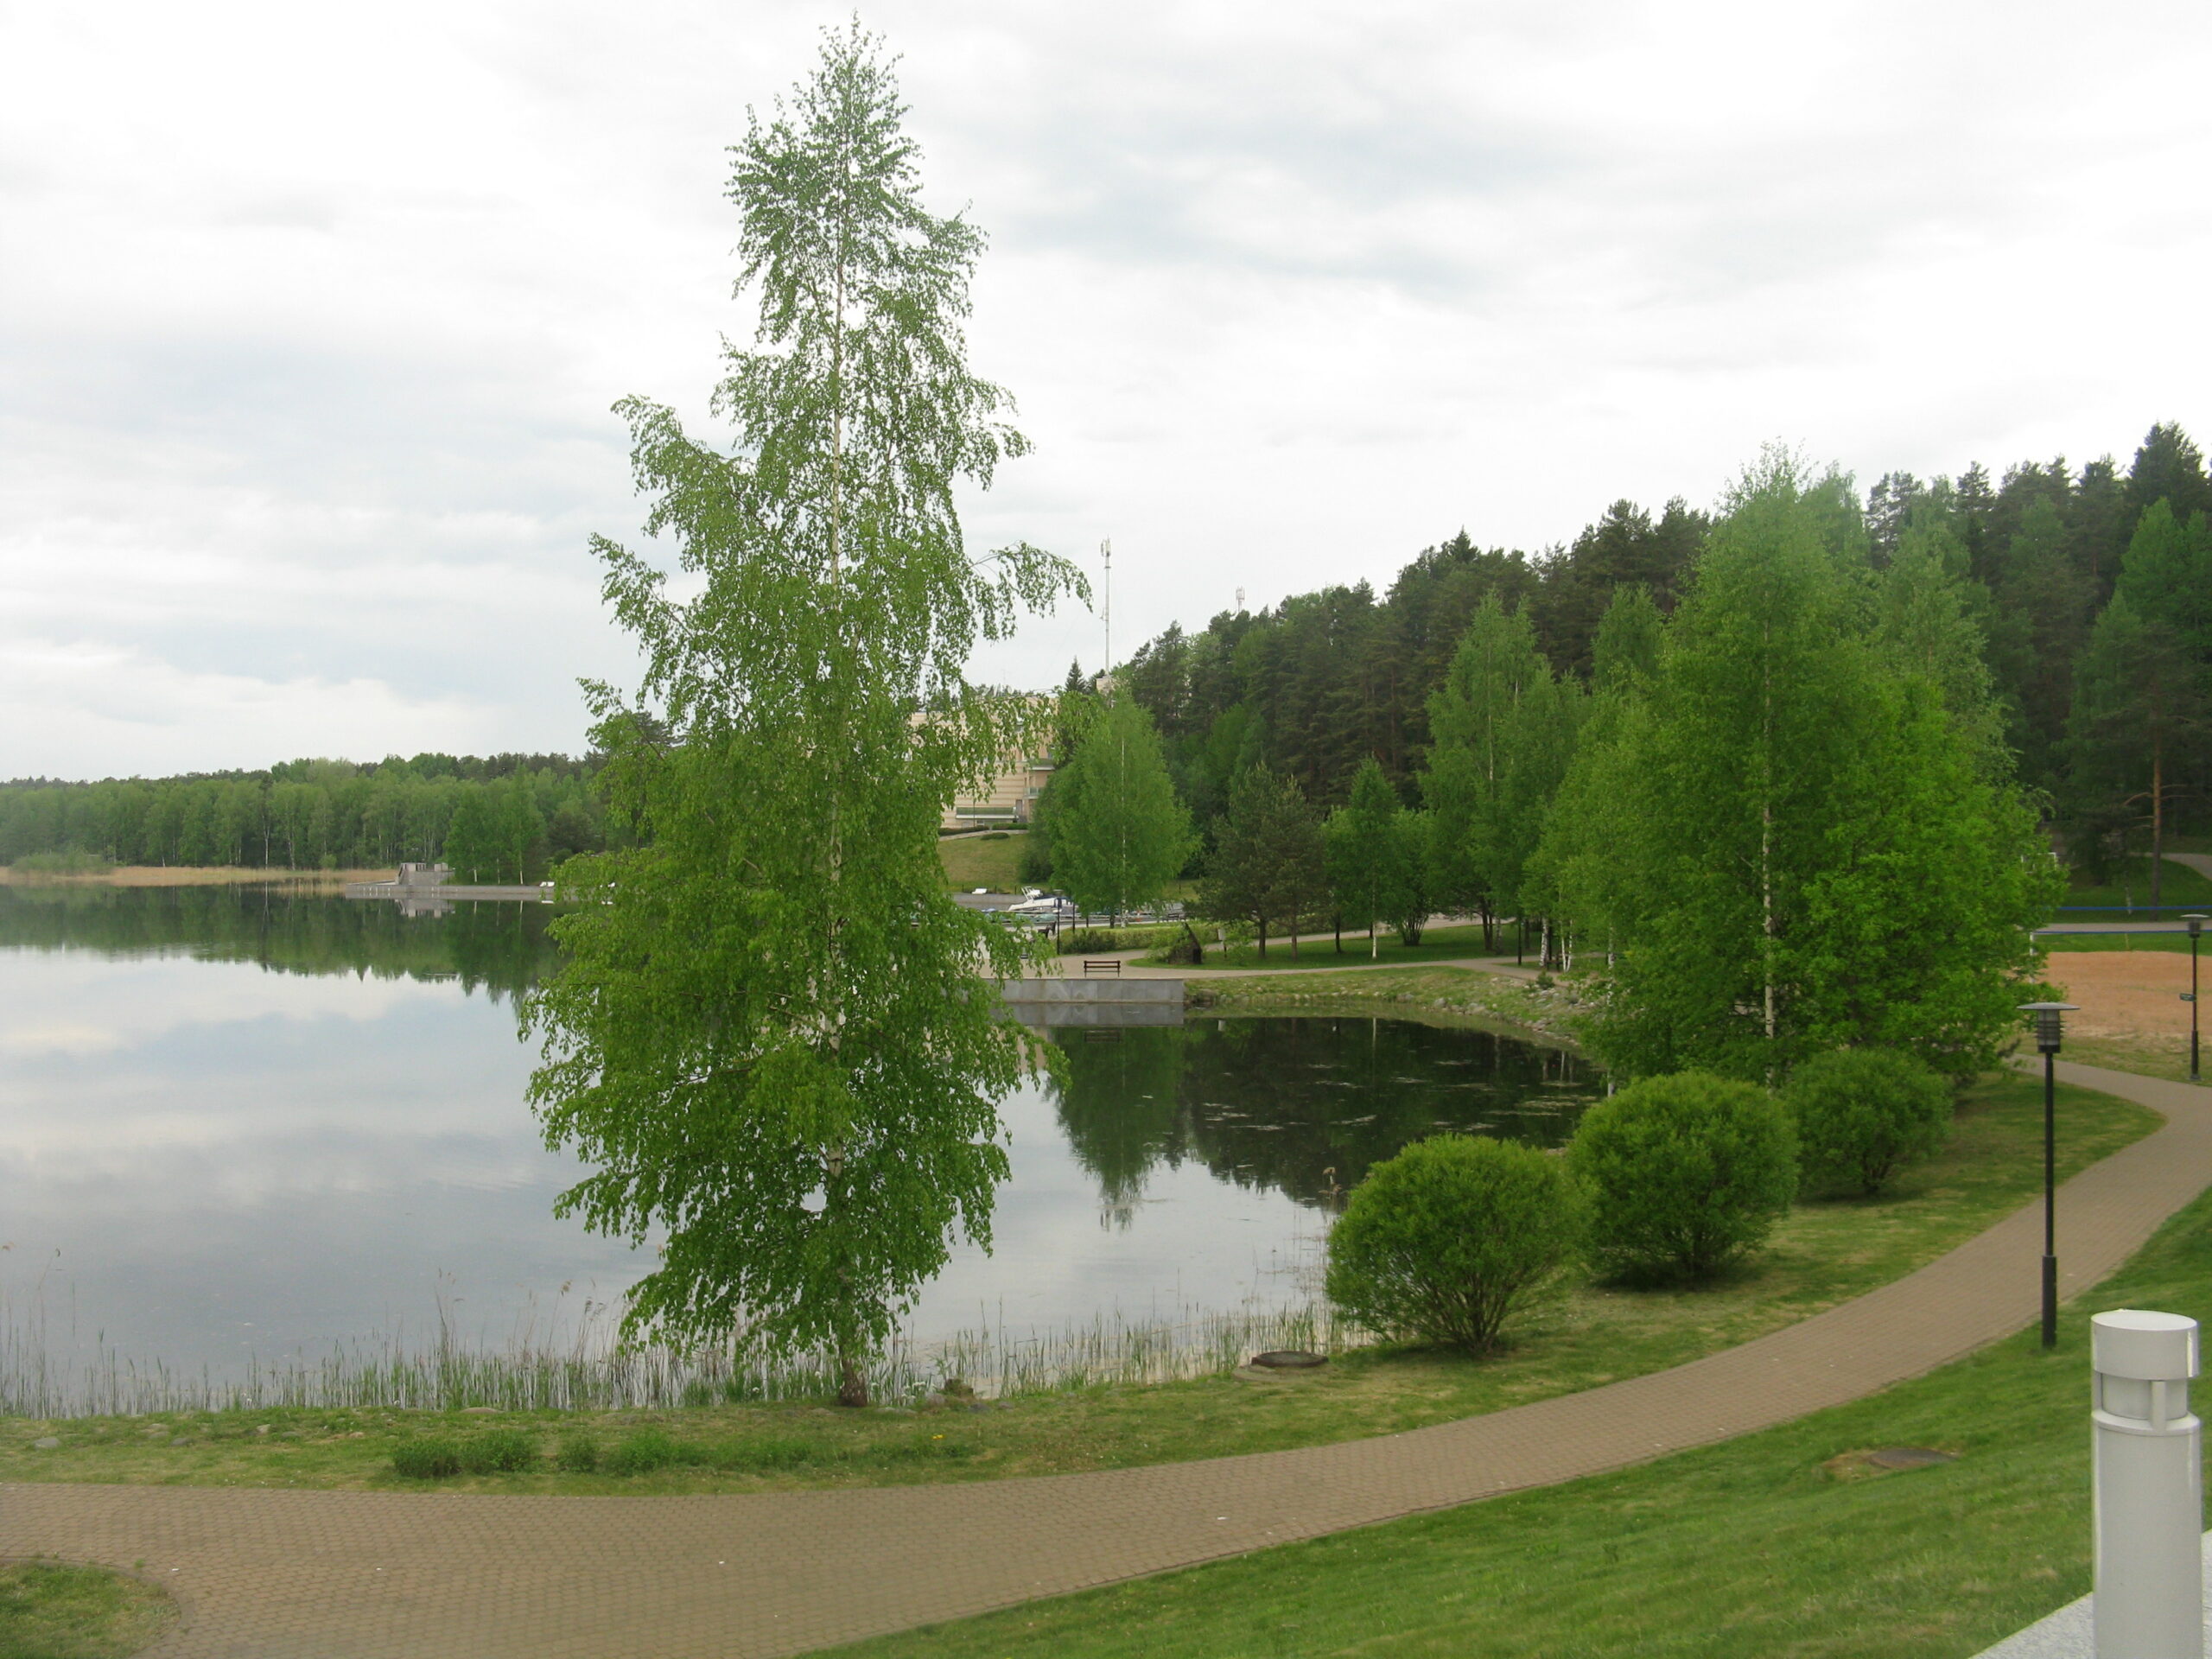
[1304, 1105]
[495, 947]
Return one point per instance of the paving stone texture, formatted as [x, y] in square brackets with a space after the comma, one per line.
[338, 1575]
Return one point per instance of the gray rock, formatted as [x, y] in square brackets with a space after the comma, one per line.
[51, 1442]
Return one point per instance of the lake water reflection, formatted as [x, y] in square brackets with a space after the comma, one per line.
[237, 1123]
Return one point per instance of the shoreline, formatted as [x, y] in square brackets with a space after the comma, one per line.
[195, 875]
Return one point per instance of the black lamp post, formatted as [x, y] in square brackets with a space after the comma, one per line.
[2048, 1017]
[2196, 932]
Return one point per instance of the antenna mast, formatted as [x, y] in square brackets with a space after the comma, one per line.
[1106, 552]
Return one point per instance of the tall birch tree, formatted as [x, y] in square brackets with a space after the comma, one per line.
[1815, 852]
[1120, 837]
[771, 1038]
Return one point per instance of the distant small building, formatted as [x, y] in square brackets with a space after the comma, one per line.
[424, 875]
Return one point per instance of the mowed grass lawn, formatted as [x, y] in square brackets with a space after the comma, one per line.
[1825, 1252]
[1781, 1545]
[2131, 885]
[50, 1611]
[2062, 941]
[992, 859]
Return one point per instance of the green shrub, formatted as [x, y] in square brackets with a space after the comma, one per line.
[427, 1460]
[643, 1452]
[578, 1454]
[501, 1452]
[770, 1451]
[1685, 1174]
[1863, 1112]
[1446, 1240]
[1075, 941]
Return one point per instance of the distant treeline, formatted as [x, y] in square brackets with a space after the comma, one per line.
[508, 817]
[1318, 683]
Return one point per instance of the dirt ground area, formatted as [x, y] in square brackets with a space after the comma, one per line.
[2124, 993]
[194, 875]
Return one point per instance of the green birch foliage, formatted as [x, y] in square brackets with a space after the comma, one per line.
[1925, 625]
[770, 1038]
[1503, 731]
[1119, 834]
[1462, 781]
[1368, 853]
[1579, 865]
[1410, 901]
[1819, 856]
[1625, 651]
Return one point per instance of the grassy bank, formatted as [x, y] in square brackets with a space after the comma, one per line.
[1321, 955]
[1825, 1253]
[991, 860]
[60, 871]
[1782, 1545]
[53, 1611]
[1412, 990]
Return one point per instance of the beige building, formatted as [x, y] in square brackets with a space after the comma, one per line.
[1012, 797]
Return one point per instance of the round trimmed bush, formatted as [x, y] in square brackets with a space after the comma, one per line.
[1685, 1174]
[1862, 1112]
[1443, 1242]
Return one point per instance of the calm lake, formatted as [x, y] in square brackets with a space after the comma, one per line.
[236, 1123]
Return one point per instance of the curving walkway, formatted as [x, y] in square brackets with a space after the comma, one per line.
[349, 1575]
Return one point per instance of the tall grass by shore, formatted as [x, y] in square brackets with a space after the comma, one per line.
[591, 1371]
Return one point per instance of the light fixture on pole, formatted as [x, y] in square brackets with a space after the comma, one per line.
[2196, 932]
[2048, 1019]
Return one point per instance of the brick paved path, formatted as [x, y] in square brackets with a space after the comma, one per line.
[349, 1575]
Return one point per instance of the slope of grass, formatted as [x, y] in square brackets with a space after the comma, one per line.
[992, 859]
[1781, 1545]
[2131, 884]
[1825, 1253]
[1408, 990]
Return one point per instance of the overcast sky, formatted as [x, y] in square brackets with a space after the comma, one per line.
[310, 317]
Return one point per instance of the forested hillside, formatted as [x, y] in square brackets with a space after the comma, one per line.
[2088, 592]
[508, 817]
[2088, 684]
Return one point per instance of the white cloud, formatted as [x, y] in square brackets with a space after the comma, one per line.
[309, 320]
[61, 703]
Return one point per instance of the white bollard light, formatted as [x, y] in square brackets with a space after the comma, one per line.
[2150, 1487]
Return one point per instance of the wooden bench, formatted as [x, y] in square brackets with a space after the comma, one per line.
[1113, 968]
